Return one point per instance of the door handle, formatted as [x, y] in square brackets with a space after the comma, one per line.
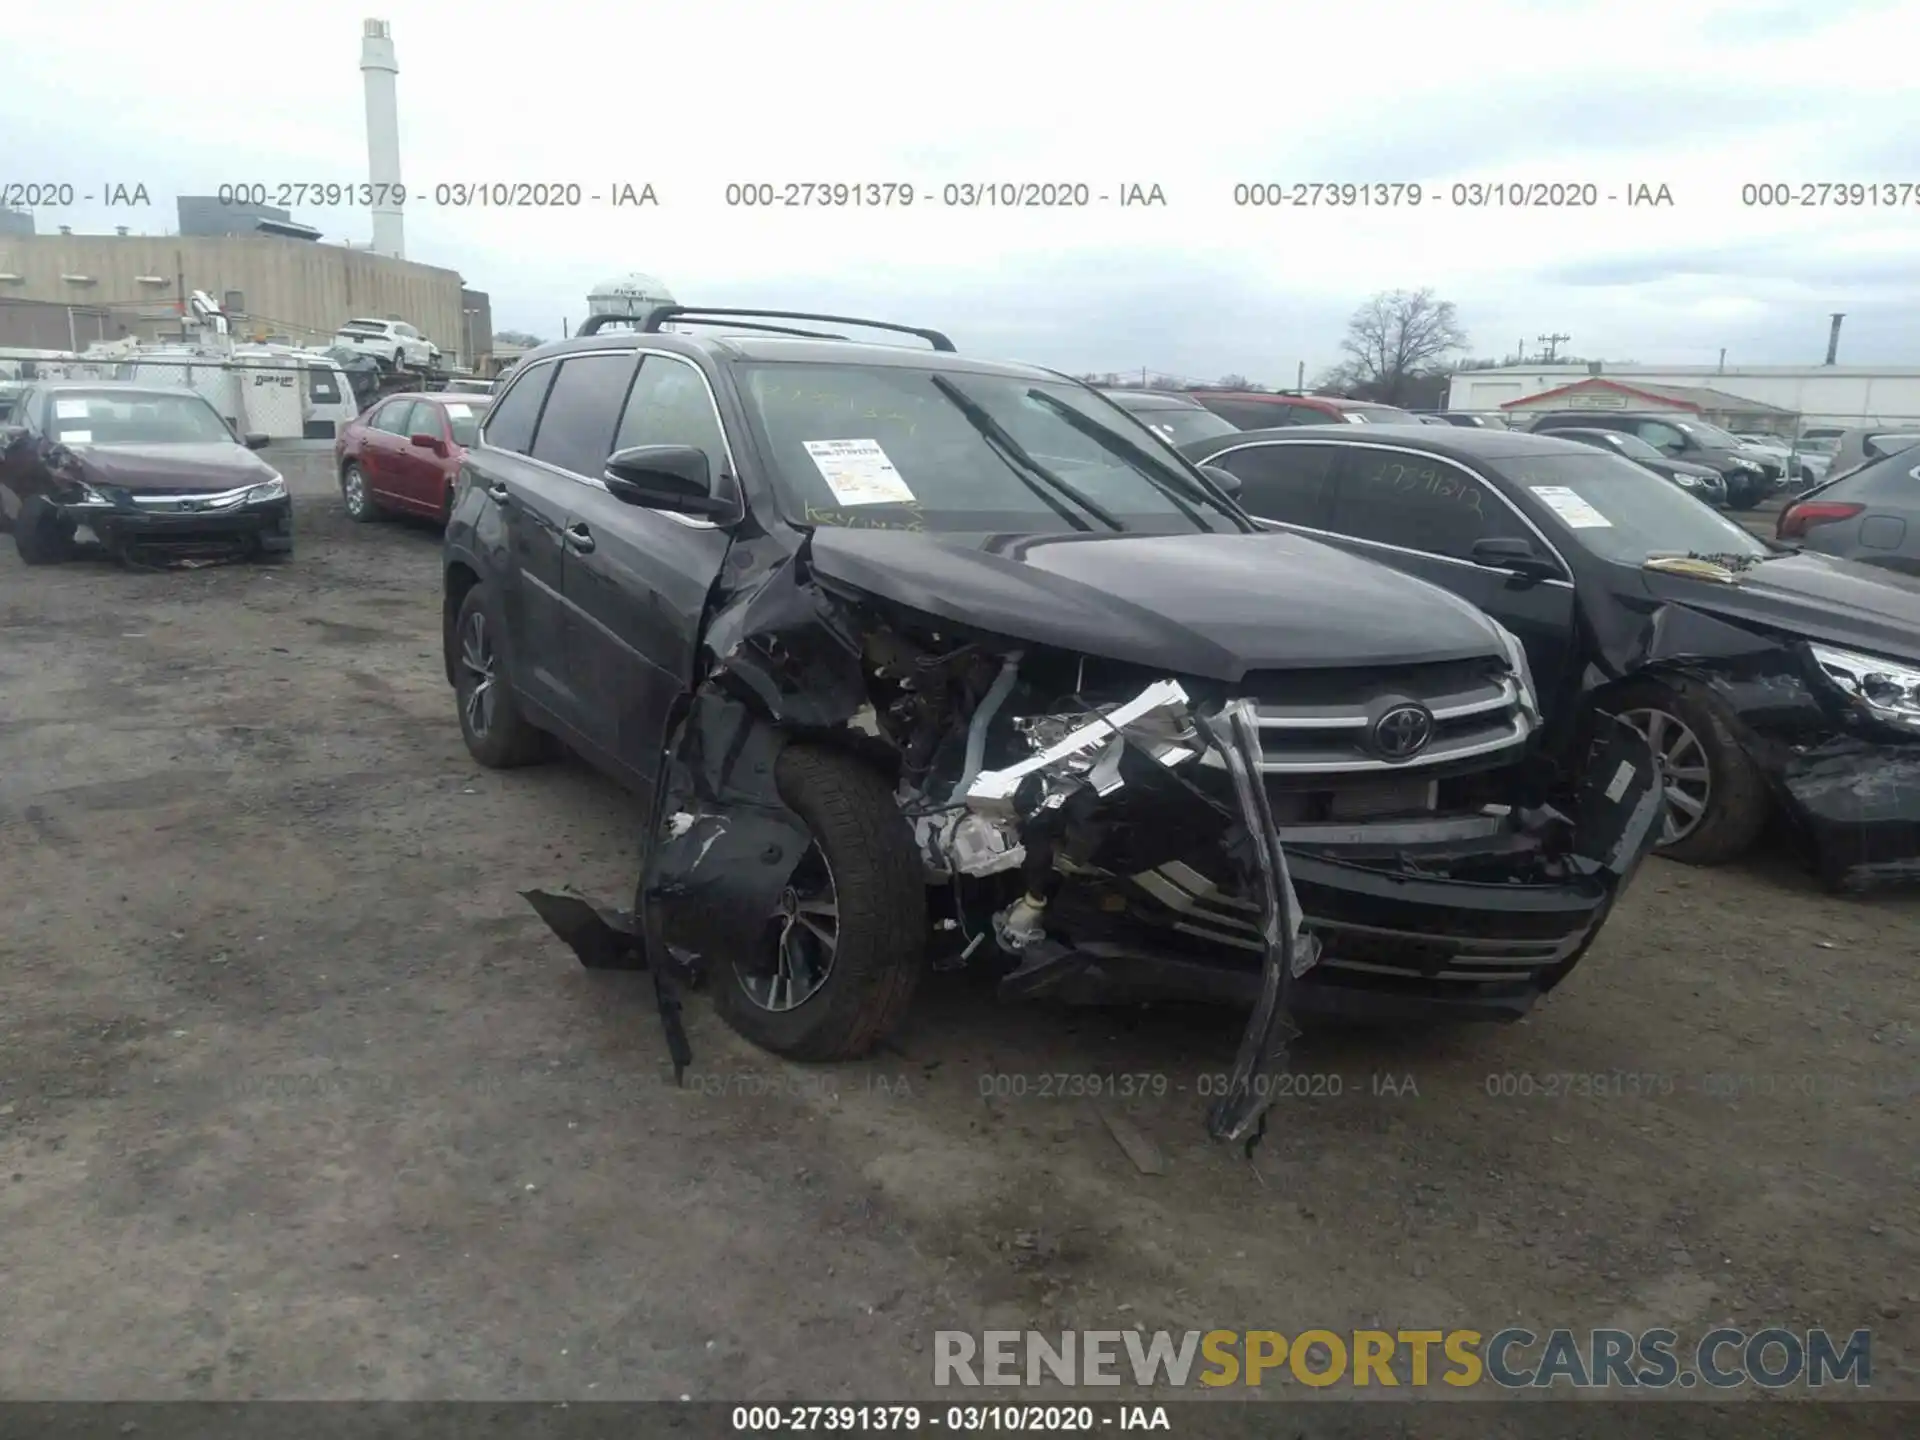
[498, 493]
[579, 538]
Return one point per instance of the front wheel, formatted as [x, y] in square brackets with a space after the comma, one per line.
[40, 535]
[1717, 801]
[846, 945]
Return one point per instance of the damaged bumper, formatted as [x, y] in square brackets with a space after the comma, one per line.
[214, 525]
[1858, 803]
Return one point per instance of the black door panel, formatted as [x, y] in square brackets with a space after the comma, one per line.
[636, 596]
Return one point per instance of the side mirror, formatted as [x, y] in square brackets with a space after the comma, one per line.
[429, 442]
[665, 477]
[256, 440]
[1516, 556]
[1224, 479]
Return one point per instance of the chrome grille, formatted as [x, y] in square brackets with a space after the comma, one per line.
[1475, 713]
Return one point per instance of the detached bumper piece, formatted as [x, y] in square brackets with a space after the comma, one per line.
[1859, 805]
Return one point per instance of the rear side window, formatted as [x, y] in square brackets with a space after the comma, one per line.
[1420, 503]
[577, 427]
[1283, 482]
[509, 423]
[1890, 444]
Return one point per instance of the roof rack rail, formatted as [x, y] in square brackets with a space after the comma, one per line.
[701, 315]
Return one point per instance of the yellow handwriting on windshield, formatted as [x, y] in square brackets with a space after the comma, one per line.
[849, 520]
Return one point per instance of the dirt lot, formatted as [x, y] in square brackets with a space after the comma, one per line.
[299, 1099]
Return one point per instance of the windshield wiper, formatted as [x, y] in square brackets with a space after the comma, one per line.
[1030, 470]
[1142, 460]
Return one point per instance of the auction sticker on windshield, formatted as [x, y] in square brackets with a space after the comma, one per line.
[70, 409]
[858, 472]
[460, 412]
[1571, 508]
[77, 437]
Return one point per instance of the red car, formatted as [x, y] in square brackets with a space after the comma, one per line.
[403, 455]
[1262, 410]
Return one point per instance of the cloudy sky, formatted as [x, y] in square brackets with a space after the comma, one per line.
[1697, 95]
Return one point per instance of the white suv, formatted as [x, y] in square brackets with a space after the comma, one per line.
[394, 343]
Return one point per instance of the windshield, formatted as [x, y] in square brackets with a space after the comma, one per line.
[1705, 434]
[1624, 512]
[100, 417]
[1177, 424]
[1817, 444]
[891, 447]
[1632, 446]
[464, 422]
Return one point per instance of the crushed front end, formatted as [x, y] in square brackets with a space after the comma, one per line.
[1349, 840]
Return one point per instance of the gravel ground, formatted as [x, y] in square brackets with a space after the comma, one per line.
[299, 1099]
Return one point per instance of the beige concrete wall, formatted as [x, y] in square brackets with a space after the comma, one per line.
[298, 288]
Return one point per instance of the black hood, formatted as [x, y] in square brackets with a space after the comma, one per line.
[1817, 597]
[209, 466]
[1210, 606]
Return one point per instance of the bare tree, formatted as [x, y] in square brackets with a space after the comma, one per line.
[517, 337]
[1237, 382]
[1396, 337]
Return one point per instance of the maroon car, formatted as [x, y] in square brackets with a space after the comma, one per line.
[403, 454]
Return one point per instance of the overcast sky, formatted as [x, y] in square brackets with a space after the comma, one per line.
[1697, 95]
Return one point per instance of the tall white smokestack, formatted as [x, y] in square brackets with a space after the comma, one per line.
[379, 68]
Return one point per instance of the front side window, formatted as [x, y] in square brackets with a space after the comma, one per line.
[577, 427]
[393, 417]
[1622, 511]
[669, 405]
[918, 448]
[98, 417]
[1420, 502]
[1283, 481]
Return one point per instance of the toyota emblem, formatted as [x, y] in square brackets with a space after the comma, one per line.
[1403, 732]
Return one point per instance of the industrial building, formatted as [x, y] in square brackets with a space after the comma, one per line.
[1815, 394]
[273, 276]
[269, 285]
[1716, 407]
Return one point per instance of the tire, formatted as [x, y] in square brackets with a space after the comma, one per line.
[41, 537]
[879, 892]
[497, 734]
[1746, 499]
[353, 491]
[1736, 802]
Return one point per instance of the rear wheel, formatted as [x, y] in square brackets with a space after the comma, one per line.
[1717, 800]
[846, 945]
[40, 535]
[353, 489]
[497, 734]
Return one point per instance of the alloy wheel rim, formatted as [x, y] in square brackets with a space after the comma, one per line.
[477, 665]
[1687, 777]
[804, 930]
[356, 490]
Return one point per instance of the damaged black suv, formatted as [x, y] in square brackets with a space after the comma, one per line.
[910, 656]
